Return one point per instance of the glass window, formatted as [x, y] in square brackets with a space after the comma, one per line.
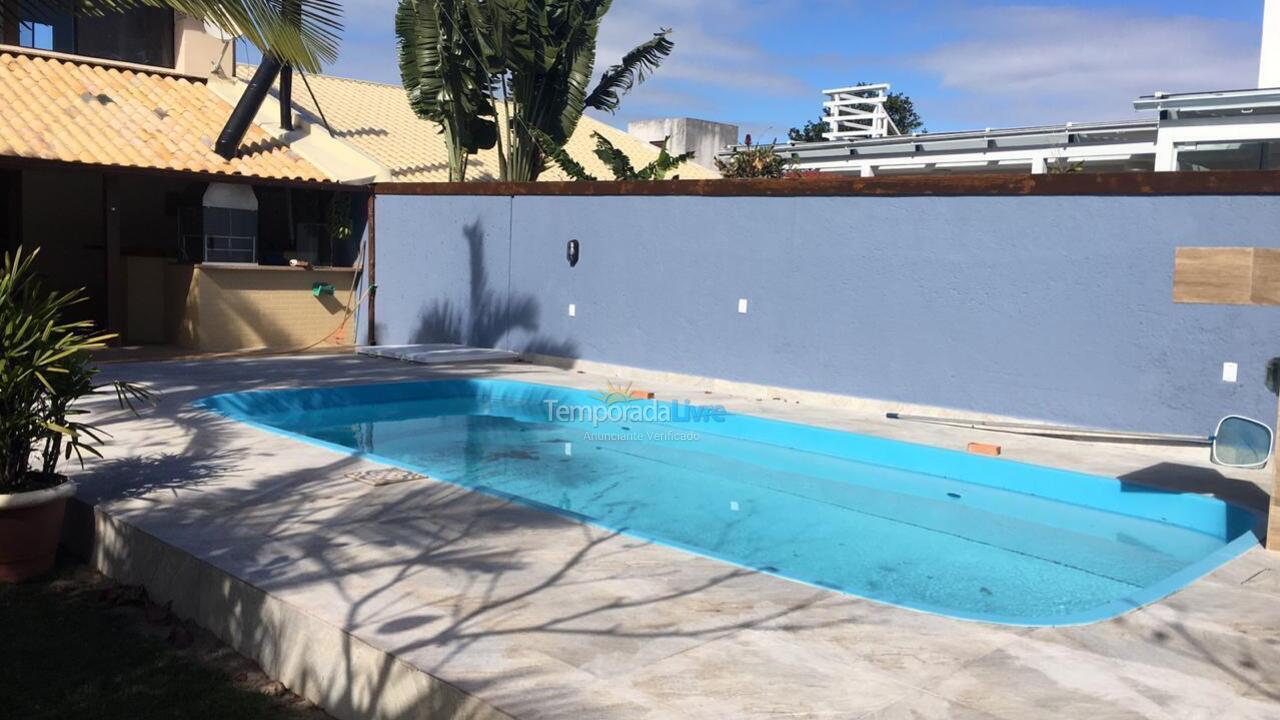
[227, 249]
[229, 235]
[1264, 155]
[143, 35]
[44, 29]
[36, 35]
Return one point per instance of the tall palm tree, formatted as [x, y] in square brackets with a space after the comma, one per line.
[303, 33]
[512, 73]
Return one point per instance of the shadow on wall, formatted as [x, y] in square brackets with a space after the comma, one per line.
[487, 319]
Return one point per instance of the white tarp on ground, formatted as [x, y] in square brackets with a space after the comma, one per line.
[436, 353]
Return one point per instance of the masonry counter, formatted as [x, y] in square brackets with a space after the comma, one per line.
[215, 307]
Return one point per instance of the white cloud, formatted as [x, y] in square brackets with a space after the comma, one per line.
[368, 49]
[712, 56]
[1035, 64]
[1008, 65]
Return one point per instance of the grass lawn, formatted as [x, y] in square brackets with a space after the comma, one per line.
[74, 645]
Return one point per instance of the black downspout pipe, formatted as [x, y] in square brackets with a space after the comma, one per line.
[286, 97]
[242, 116]
[291, 11]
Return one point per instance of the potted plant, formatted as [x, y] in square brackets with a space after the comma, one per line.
[44, 370]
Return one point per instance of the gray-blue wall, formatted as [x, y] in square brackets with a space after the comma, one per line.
[1053, 308]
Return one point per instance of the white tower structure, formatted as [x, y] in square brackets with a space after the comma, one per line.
[858, 112]
[1269, 62]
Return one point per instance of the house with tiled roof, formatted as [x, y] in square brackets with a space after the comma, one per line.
[115, 161]
[376, 119]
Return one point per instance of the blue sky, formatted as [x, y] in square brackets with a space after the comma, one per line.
[762, 64]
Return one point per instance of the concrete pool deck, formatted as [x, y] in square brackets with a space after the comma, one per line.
[419, 599]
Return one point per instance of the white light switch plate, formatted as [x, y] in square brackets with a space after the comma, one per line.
[742, 305]
[1230, 371]
[573, 310]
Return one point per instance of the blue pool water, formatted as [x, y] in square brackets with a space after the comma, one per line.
[925, 528]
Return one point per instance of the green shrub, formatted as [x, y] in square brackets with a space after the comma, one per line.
[755, 161]
[44, 370]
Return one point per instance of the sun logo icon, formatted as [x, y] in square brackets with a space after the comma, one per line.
[613, 394]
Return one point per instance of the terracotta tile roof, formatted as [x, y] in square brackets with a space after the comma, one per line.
[60, 109]
[376, 118]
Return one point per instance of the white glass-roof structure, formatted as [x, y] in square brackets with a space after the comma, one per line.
[1236, 129]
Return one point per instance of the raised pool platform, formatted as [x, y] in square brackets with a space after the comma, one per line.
[422, 599]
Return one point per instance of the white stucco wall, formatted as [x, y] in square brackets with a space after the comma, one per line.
[704, 137]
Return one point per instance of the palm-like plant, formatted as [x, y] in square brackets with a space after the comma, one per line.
[614, 159]
[304, 33]
[620, 165]
[448, 77]
[533, 59]
[549, 67]
[636, 67]
[44, 370]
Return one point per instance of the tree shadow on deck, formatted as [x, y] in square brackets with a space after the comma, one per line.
[449, 580]
[421, 572]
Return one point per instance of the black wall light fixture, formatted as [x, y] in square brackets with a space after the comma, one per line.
[571, 253]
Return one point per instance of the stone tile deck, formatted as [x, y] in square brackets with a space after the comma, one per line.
[420, 599]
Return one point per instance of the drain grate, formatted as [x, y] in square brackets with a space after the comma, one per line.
[384, 476]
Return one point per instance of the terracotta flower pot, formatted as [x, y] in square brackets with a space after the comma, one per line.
[30, 526]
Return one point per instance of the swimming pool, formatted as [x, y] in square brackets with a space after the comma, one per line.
[935, 530]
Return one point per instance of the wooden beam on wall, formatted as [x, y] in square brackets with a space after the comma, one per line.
[117, 297]
[25, 163]
[371, 274]
[1232, 182]
[10, 210]
[1226, 275]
